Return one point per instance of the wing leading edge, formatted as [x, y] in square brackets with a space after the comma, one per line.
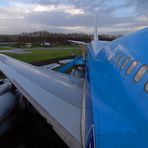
[56, 96]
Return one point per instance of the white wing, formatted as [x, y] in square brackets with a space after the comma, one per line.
[57, 97]
[78, 42]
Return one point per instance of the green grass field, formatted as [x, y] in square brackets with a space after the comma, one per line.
[53, 47]
[6, 48]
[41, 55]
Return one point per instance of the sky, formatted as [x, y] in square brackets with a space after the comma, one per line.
[73, 16]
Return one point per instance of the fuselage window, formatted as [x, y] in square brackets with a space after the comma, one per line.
[146, 87]
[119, 62]
[132, 66]
[125, 63]
[140, 73]
[117, 57]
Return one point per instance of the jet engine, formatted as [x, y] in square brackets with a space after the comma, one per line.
[8, 103]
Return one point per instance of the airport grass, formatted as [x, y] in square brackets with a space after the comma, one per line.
[41, 55]
[60, 47]
[6, 48]
[66, 46]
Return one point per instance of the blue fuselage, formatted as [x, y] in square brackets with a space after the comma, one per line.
[117, 104]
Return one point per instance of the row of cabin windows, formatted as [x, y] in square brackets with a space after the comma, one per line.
[138, 76]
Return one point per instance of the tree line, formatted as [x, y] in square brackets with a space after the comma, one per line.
[53, 38]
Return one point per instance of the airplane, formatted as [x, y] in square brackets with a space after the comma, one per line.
[107, 108]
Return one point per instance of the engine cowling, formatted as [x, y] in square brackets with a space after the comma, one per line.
[8, 102]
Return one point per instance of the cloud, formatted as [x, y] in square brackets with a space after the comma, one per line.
[73, 16]
[140, 5]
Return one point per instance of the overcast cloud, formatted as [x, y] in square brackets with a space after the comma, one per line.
[69, 16]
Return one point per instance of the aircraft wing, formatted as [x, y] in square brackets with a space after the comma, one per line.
[102, 43]
[78, 42]
[56, 96]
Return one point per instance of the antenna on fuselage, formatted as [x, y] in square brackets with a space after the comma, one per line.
[95, 27]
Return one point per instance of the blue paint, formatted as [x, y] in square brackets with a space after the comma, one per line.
[76, 61]
[119, 105]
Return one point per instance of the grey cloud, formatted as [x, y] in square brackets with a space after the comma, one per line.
[57, 20]
[90, 5]
[87, 5]
[140, 5]
[60, 21]
[64, 19]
